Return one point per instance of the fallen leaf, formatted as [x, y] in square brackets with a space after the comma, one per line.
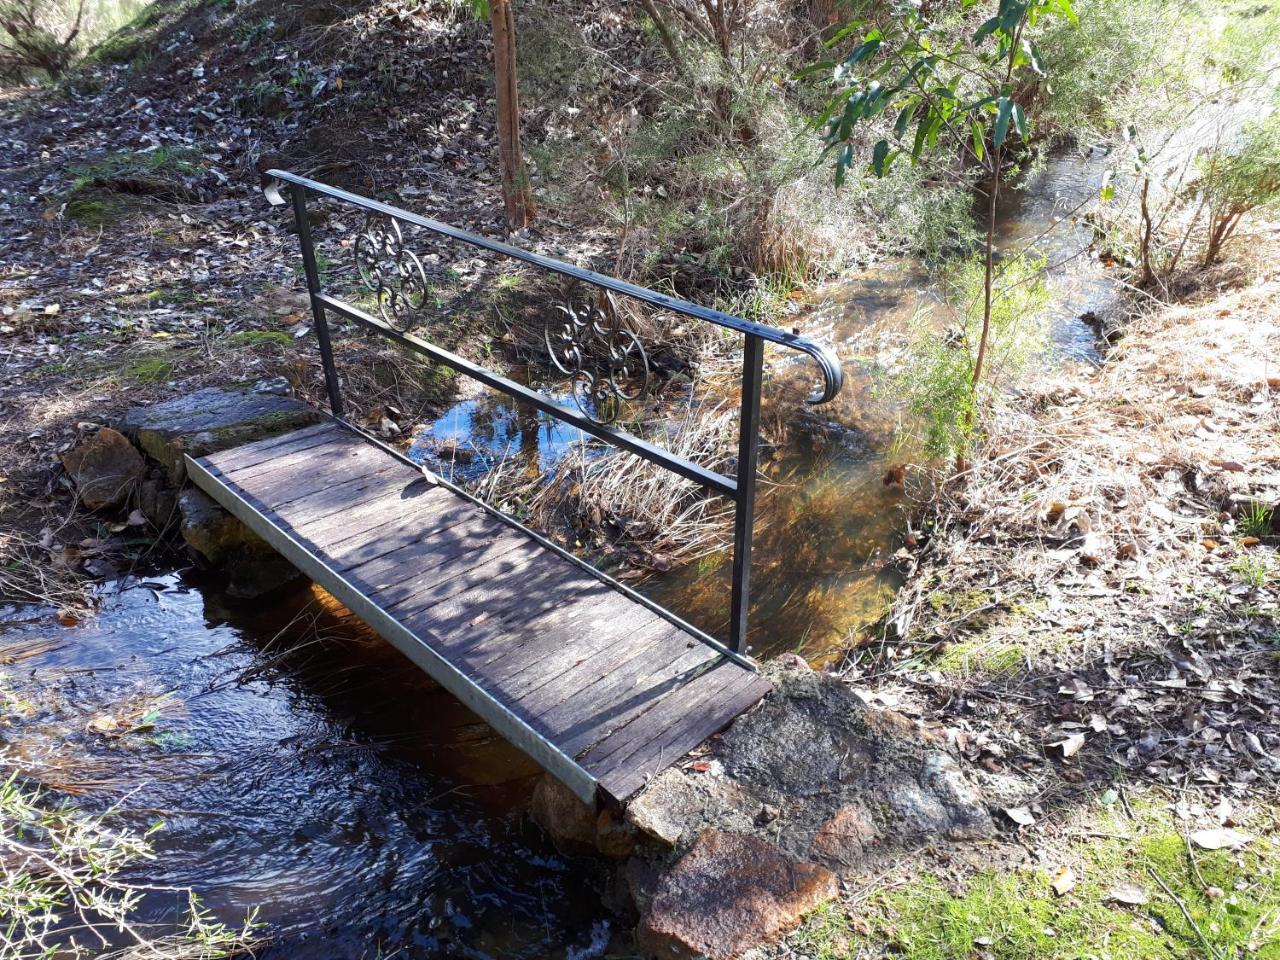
[1128, 893]
[1070, 746]
[105, 724]
[1064, 881]
[1220, 838]
[1020, 815]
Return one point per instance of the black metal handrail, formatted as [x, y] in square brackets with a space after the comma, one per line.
[620, 343]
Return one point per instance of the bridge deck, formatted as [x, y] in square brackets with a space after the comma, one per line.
[598, 689]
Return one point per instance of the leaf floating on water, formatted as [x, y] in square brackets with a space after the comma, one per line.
[1220, 838]
[1128, 893]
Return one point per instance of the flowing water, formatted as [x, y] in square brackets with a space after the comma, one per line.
[304, 767]
[301, 766]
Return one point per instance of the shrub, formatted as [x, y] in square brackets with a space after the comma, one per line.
[1239, 180]
[38, 37]
[934, 380]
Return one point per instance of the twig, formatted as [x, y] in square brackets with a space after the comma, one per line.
[1186, 914]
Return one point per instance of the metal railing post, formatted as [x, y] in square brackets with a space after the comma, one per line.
[745, 507]
[313, 290]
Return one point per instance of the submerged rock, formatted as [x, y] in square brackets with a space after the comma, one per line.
[570, 823]
[213, 419]
[252, 566]
[106, 469]
[821, 774]
[729, 893]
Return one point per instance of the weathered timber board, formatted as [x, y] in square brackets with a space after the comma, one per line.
[600, 690]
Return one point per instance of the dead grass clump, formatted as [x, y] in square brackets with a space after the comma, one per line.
[615, 498]
[40, 570]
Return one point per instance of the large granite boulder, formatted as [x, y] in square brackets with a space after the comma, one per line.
[106, 469]
[213, 419]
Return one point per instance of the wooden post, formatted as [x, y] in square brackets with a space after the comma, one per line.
[515, 185]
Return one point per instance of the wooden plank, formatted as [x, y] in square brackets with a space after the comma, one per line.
[405, 556]
[416, 502]
[333, 465]
[236, 458]
[333, 455]
[606, 624]
[439, 567]
[306, 504]
[664, 656]
[551, 677]
[652, 682]
[491, 605]
[322, 510]
[672, 727]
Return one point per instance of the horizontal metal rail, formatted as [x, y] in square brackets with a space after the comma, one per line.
[386, 259]
[619, 438]
[828, 362]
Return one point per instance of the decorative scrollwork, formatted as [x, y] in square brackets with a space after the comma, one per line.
[590, 343]
[391, 270]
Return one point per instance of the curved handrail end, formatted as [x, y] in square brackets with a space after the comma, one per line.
[832, 372]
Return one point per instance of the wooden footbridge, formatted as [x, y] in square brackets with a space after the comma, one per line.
[596, 683]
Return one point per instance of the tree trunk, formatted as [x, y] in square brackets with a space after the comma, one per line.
[515, 184]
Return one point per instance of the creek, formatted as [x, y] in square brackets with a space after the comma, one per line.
[303, 767]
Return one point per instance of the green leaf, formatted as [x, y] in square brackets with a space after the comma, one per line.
[1065, 8]
[863, 51]
[822, 66]
[1108, 190]
[1002, 122]
[979, 135]
[986, 30]
[1020, 121]
[880, 158]
[1034, 58]
[1011, 12]
[843, 32]
[922, 132]
[904, 119]
[844, 157]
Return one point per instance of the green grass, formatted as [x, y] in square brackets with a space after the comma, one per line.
[1256, 521]
[1232, 900]
[1001, 659]
[150, 370]
[89, 203]
[1253, 571]
[255, 338]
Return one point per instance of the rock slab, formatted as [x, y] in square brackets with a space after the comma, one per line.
[825, 776]
[212, 419]
[106, 469]
[729, 893]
